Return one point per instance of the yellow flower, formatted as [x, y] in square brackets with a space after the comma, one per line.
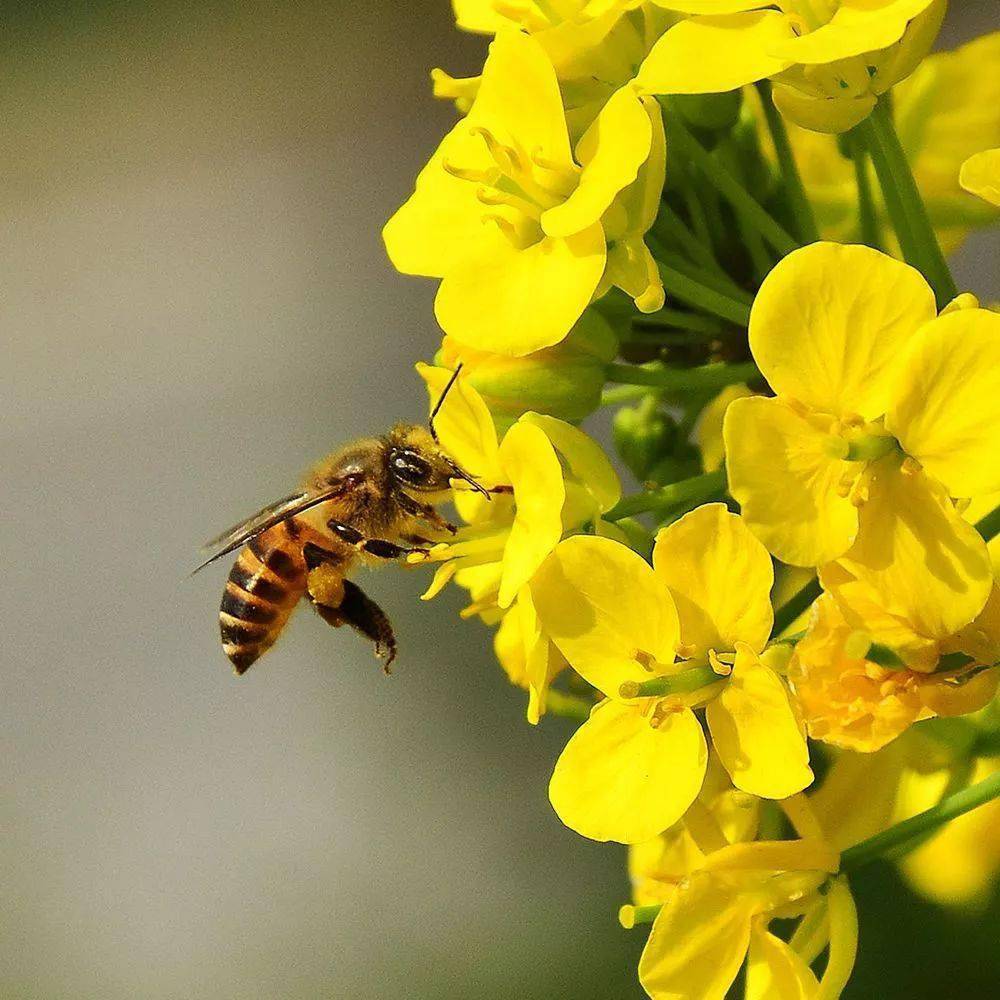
[554, 480]
[851, 701]
[883, 412]
[830, 59]
[636, 765]
[718, 918]
[708, 426]
[563, 381]
[521, 234]
[945, 112]
[980, 175]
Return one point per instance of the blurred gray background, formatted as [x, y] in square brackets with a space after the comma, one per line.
[196, 305]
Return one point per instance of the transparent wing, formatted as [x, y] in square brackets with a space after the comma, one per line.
[239, 534]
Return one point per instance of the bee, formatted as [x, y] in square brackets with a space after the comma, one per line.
[372, 501]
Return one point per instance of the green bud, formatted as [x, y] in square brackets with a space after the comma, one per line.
[711, 112]
[643, 434]
[564, 381]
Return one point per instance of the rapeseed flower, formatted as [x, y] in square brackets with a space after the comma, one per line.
[638, 763]
[522, 230]
[830, 60]
[883, 412]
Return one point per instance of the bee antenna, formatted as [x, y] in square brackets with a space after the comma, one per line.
[441, 399]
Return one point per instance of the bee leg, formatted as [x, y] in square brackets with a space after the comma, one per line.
[380, 547]
[359, 611]
[425, 512]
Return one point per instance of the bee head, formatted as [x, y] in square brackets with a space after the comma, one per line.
[416, 462]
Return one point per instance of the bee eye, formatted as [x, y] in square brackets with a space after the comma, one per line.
[410, 468]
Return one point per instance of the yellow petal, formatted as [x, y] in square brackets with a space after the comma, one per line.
[785, 481]
[929, 566]
[858, 26]
[775, 971]
[708, 426]
[578, 594]
[510, 300]
[464, 425]
[479, 16]
[534, 471]
[620, 779]
[584, 456]
[436, 226]
[822, 114]
[720, 577]
[705, 55]
[519, 98]
[756, 733]
[980, 175]
[946, 410]
[829, 322]
[698, 942]
[611, 152]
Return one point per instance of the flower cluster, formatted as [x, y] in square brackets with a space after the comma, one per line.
[724, 222]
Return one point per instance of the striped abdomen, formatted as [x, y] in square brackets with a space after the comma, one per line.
[265, 584]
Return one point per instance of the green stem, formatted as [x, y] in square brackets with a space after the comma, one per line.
[677, 319]
[905, 206]
[694, 293]
[867, 216]
[795, 190]
[674, 227]
[568, 706]
[909, 832]
[715, 279]
[795, 605]
[620, 394]
[704, 377]
[698, 487]
[730, 188]
[989, 526]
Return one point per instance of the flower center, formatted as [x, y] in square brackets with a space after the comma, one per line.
[518, 186]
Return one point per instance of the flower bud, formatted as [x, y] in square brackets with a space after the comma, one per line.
[643, 434]
[564, 381]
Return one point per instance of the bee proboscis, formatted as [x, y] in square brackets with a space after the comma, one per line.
[373, 500]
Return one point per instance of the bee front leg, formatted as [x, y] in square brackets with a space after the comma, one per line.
[381, 548]
[424, 512]
[359, 611]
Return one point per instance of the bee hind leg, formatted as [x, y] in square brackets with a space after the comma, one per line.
[359, 611]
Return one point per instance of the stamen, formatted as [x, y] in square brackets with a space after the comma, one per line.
[505, 157]
[473, 174]
[494, 196]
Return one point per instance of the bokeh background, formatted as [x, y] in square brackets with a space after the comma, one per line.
[196, 305]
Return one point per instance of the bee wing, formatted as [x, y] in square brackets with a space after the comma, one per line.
[239, 534]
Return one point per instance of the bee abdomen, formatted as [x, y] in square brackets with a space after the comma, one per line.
[264, 585]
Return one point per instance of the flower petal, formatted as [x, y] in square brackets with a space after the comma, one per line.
[464, 425]
[929, 566]
[946, 410]
[578, 597]
[786, 483]
[822, 114]
[620, 779]
[534, 471]
[510, 300]
[611, 152]
[980, 175]
[698, 942]
[706, 55]
[519, 99]
[775, 971]
[720, 577]
[584, 456]
[756, 732]
[858, 26]
[435, 227]
[829, 322]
